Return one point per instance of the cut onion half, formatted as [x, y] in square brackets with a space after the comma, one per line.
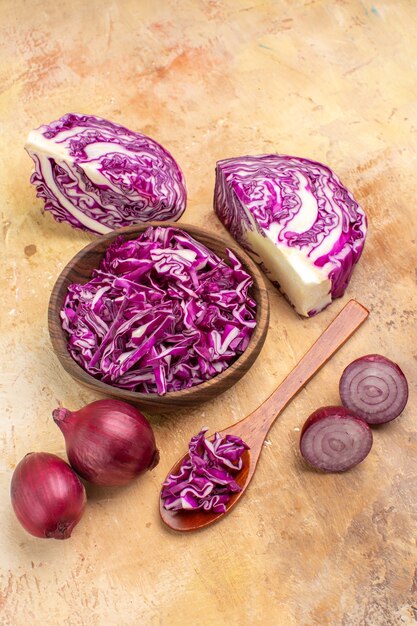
[334, 440]
[374, 388]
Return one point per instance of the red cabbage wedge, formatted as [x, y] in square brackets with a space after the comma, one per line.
[297, 220]
[98, 176]
[374, 388]
[334, 440]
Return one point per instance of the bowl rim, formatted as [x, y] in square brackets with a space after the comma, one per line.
[59, 342]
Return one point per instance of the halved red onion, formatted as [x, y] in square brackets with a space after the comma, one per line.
[374, 388]
[334, 440]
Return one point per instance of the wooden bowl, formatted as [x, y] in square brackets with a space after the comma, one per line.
[79, 270]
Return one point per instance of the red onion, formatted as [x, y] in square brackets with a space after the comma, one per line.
[374, 388]
[47, 496]
[108, 442]
[334, 440]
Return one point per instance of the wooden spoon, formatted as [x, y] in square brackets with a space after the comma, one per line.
[254, 428]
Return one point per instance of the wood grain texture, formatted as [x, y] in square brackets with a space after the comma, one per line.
[79, 270]
[254, 428]
[332, 80]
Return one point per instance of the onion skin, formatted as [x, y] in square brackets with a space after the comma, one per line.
[47, 496]
[108, 442]
[364, 388]
[333, 453]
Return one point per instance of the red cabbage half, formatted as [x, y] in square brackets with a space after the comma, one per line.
[99, 176]
[297, 219]
[205, 480]
[162, 313]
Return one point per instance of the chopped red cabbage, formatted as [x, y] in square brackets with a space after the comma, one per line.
[162, 313]
[205, 480]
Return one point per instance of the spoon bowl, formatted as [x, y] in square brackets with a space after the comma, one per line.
[254, 428]
[191, 520]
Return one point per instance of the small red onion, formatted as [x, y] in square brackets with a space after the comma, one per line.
[334, 440]
[374, 388]
[47, 496]
[108, 442]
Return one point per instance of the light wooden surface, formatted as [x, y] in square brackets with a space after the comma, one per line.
[332, 80]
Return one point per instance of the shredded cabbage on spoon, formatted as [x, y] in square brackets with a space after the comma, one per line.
[162, 313]
[205, 479]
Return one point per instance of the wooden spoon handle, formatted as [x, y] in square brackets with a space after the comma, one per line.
[339, 330]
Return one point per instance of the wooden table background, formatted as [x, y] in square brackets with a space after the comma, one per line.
[331, 80]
